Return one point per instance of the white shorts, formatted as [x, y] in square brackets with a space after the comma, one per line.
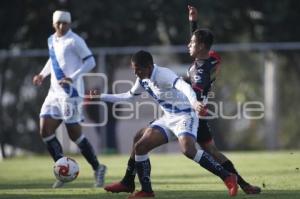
[175, 125]
[67, 109]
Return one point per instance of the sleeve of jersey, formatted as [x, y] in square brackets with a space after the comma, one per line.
[87, 65]
[121, 97]
[88, 61]
[136, 90]
[47, 69]
[81, 48]
[186, 89]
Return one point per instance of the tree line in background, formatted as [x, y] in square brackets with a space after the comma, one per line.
[27, 24]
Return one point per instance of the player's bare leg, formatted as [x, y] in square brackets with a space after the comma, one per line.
[127, 183]
[48, 127]
[152, 138]
[86, 149]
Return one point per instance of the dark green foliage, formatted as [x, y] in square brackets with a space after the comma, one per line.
[26, 24]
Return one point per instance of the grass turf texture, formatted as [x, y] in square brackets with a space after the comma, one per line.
[173, 176]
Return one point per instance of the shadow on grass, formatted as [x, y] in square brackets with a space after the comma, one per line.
[270, 194]
[85, 182]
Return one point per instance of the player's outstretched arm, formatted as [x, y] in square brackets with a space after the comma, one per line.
[120, 97]
[129, 96]
[95, 94]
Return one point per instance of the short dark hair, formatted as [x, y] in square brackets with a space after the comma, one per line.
[204, 36]
[142, 58]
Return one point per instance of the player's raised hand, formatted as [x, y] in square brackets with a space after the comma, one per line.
[37, 80]
[193, 13]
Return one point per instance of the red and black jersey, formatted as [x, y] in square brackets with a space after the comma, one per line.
[202, 74]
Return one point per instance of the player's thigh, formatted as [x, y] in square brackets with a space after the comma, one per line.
[48, 126]
[152, 138]
[74, 131]
[71, 110]
[164, 125]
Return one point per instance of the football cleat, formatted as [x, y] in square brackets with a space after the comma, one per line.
[250, 189]
[57, 184]
[231, 184]
[118, 187]
[141, 194]
[100, 175]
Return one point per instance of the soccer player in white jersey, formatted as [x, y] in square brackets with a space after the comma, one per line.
[69, 57]
[179, 103]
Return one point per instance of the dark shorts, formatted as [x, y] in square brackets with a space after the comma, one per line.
[204, 134]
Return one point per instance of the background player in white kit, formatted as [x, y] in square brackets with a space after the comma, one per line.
[178, 101]
[69, 57]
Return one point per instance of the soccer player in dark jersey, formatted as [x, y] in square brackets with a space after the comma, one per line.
[200, 75]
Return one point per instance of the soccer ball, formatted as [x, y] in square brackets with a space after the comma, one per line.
[66, 169]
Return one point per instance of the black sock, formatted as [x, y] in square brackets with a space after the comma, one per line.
[54, 147]
[88, 152]
[143, 169]
[230, 167]
[212, 165]
[128, 179]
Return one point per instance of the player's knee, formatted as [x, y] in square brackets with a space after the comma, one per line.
[141, 148]
[138, 135]
[45, 132]
[73, 137]
[189, 153]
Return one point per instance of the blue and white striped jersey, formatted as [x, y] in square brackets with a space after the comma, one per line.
[172, 93]
[67, 55]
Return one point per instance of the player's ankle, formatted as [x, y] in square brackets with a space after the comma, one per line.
[127, 183]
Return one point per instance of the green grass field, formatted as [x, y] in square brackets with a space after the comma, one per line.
[173, 177]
